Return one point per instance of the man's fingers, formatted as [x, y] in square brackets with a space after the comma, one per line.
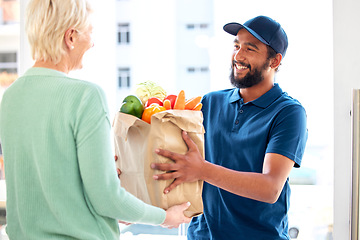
[167, 167]
[166, 176]
[176, 156]
[165, 153]
[189, 142]
[172, 186]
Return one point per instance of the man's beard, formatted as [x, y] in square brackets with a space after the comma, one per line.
[250, 79]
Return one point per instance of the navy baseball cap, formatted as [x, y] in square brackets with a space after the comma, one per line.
[265, 30]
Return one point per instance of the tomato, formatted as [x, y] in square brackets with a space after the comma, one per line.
[172, 99]
[153, 100]
[150, 110]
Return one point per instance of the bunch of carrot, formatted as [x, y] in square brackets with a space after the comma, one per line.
[182, 104]
[177, 102]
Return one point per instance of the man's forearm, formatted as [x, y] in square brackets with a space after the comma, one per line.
[256, 186]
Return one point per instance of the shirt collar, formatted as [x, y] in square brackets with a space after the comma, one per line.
[263, 101]
[44, 72]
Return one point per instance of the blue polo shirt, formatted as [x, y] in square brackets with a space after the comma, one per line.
[238, 135]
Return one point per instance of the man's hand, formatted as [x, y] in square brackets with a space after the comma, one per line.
[186, 168]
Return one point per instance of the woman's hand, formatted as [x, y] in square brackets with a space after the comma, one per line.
[125, 223]
[175, 216]
[117, 169]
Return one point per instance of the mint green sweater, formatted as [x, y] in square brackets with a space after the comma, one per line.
[59, 165]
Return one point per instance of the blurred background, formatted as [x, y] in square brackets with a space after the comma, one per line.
[180, 44]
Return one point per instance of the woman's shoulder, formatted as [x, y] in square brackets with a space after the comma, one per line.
[83, 86]
[76, 82]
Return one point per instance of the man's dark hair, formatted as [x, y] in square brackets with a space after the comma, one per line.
[272, 54]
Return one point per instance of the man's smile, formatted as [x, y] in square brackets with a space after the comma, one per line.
[241, 66]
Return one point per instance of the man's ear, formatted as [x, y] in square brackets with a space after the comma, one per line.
[69, 38]
[275, 62]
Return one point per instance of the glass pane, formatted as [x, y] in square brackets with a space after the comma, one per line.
[8, 57]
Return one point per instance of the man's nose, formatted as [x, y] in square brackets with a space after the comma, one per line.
[238, 55]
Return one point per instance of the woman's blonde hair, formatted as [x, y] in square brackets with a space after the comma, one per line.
[46, 24]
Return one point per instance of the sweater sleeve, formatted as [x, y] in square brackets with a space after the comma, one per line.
[92, 132]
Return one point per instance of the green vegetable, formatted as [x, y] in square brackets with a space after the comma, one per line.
[132, 105]
[149, 89]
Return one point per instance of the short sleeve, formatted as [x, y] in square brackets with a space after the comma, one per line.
[289, 133]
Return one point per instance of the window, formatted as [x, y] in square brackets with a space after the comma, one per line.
[123, 33]
[191, 69]
[192, 26]
[9, 11]
[124, 78]
[197, 69]
[204, 69]
[8, 62]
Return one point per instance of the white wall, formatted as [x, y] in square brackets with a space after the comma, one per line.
[346, 76]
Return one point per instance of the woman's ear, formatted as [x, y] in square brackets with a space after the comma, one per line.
[69, 38]
[275, 62]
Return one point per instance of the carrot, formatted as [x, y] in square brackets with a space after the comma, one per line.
[167, 104]
[191, 103]
[197, 107]
[180, 101]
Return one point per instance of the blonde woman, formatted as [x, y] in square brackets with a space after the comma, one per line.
[55, 134]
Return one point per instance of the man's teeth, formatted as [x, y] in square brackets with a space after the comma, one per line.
[240, 67]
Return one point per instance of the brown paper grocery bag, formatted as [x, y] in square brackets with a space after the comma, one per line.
[135, 144]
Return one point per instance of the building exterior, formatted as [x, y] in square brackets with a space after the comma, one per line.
[162, 41]
[169, 47]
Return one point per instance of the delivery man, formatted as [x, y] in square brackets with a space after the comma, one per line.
[255, 134]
